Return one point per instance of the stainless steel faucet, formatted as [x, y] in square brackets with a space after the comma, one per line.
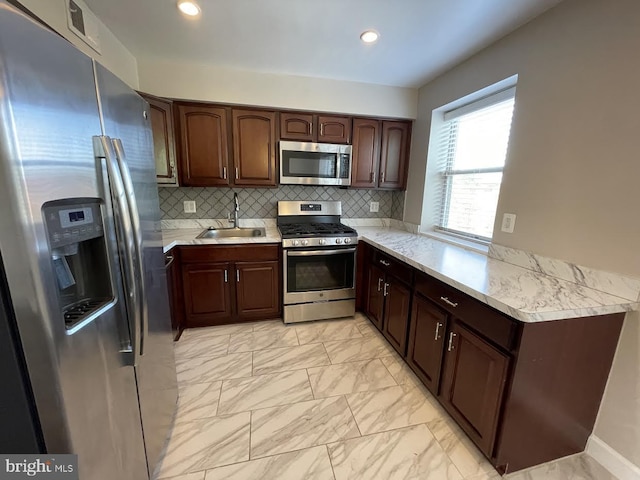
[236, 209]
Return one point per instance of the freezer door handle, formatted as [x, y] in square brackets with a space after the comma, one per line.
[104, 149]
[125, 174]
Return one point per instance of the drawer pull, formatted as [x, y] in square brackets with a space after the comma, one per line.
[168, 260]
[379, 284]
[451, 337]
[449, 302]
[438, 325]
[385, 263]
[386, 292]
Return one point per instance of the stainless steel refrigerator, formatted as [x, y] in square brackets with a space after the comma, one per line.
[86, 354]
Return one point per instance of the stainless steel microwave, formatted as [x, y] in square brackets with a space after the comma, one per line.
[304, 163]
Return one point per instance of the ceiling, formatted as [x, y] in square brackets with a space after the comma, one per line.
[419, 39]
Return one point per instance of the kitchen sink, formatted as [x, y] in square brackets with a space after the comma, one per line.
[232, 233]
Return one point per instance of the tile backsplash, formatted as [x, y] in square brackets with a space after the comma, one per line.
[262, 202]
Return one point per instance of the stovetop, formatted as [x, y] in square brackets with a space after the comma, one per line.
[295, 230]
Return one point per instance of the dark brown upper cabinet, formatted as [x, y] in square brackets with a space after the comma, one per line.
[164, 148]
[380, 153]
[254, 147]
[334, 129]
[366, 153]
[393, 155]
[310, 127]
[204, 147]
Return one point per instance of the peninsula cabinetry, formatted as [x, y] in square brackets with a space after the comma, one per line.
[227, 284]
[525, 393]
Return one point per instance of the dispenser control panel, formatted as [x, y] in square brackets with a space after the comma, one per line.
[68, 224]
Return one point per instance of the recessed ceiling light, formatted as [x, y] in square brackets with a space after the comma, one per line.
[369, 36]
[189, 7]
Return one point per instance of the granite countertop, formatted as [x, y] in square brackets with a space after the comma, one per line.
[520, 293]
[523, 294]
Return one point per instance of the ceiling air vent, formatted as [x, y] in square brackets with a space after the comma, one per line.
[83, 23]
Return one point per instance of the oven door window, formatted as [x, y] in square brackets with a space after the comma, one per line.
[320, 272]
[309, 164]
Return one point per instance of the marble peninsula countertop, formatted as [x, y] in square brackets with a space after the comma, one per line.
[521, 293]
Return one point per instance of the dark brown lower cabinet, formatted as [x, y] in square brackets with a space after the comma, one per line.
[228, 284]
[525, 393]
[176, 309]
[396, 313]
[207, 294]
[473, 384]
[374, 303]
[426, 341]
[258, 289]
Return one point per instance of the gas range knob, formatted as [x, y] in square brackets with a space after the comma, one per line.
[295, 242]
[305, 242]
[322, 241]
[338, 240]
[347, 240]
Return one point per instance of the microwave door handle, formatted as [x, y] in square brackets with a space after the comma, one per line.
[338, 164]
[124, 233]
[143, 317]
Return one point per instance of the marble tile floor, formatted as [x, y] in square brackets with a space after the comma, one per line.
[314, 401]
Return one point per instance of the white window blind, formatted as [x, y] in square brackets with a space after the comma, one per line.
[472, 152]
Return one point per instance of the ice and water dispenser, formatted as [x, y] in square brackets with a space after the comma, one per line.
[78, 251]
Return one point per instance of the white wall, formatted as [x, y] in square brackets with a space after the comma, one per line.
[209, 83]
[114, 56]
[574, 159]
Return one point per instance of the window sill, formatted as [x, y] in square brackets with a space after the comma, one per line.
[460, 242]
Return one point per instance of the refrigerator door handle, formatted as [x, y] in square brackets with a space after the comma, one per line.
[125, 174]
[104, 149]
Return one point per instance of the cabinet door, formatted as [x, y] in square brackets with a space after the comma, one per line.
[374, 303]
[396, 314]
[207, 294]
[254, 147]
[365, 153]
[426, 341]
[296, 126]
[258, 289]
[164, 149]
[204, 150]
[393, 157]
[473, 385]
[174, 287]
[332, 129]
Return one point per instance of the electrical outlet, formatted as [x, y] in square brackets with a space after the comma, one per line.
[189, 206]
[508, 222]
[374, 207]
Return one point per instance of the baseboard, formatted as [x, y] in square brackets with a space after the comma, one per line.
[612, 460]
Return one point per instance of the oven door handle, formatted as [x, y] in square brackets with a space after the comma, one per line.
[313, 253]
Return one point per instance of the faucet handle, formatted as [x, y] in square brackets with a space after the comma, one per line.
[229, 217]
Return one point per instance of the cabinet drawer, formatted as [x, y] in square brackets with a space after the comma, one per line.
[215, 253]
[494, 325]
[397, 268]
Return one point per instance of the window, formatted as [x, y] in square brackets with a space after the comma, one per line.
[472, 152]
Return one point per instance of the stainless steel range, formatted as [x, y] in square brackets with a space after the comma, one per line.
[319, 261]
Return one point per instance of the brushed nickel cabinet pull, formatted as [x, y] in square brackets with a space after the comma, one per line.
[382, 177]
[386, 291]
[238, 276]
[379, 284]
[385, 263]
[224, 173]
[226, 276]
[438, 325]
[449, 302]
[451, 337]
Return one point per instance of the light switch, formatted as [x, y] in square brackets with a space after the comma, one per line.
[374, 207]
[189, 206]
[508, 222]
